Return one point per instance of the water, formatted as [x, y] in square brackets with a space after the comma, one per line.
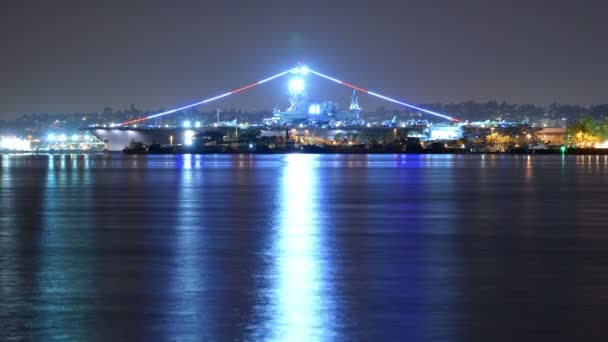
[303, 247]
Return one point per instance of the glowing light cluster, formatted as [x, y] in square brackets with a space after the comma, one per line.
[296, 85]
[601, 145]
[189, 137]
[314, 109]
[14, 144]
[302, 70]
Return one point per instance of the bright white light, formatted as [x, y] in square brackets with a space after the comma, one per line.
[51, 137]
[602, 145]
[314, 109]
[74, 137]
[299, 301]
[14, 144]
[188, 137]
[186, 124]
[304, 70]
[446, 133]
[197, 124]
[62, 137]
[296, 85]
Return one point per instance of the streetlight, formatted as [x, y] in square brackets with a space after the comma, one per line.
[171, 140]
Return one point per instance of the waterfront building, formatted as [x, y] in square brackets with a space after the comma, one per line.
[445, 131]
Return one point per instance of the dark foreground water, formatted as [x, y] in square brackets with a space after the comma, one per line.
[304, 248]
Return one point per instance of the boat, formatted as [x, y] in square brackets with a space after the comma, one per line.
[135, 147]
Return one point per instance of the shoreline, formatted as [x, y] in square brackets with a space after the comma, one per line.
[590, 152]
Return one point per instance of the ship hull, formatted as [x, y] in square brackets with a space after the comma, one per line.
[117, 138]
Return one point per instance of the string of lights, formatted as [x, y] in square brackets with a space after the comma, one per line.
[302, 70]
[363, 90]
[232, 92]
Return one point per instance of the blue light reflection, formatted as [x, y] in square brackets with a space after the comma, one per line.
[65, 274]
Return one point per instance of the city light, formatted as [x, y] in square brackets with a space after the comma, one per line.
[51, 137]
[302, 70]
[186, 124]
[314, 109]
[188, 137]
[197, 124]
[14, 144]
[62, 138]
[296, 85]
[601, 145]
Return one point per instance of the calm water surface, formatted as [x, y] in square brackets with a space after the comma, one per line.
[303, 248]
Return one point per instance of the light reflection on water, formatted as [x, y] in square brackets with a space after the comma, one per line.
[303, 247]
[64, 285]
[186, 316]
[301, 305]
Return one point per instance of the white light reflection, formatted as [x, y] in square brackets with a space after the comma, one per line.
[301, 303]
[10, 273]
[187, 317]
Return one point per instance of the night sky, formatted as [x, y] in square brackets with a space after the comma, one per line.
[69, 56]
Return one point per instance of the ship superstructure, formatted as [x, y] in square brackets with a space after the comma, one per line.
[302, 108]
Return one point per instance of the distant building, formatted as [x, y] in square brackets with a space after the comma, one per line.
[550, 123]
[445, 131]
[552, 136]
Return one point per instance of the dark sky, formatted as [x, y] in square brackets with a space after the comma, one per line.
[68, 56]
